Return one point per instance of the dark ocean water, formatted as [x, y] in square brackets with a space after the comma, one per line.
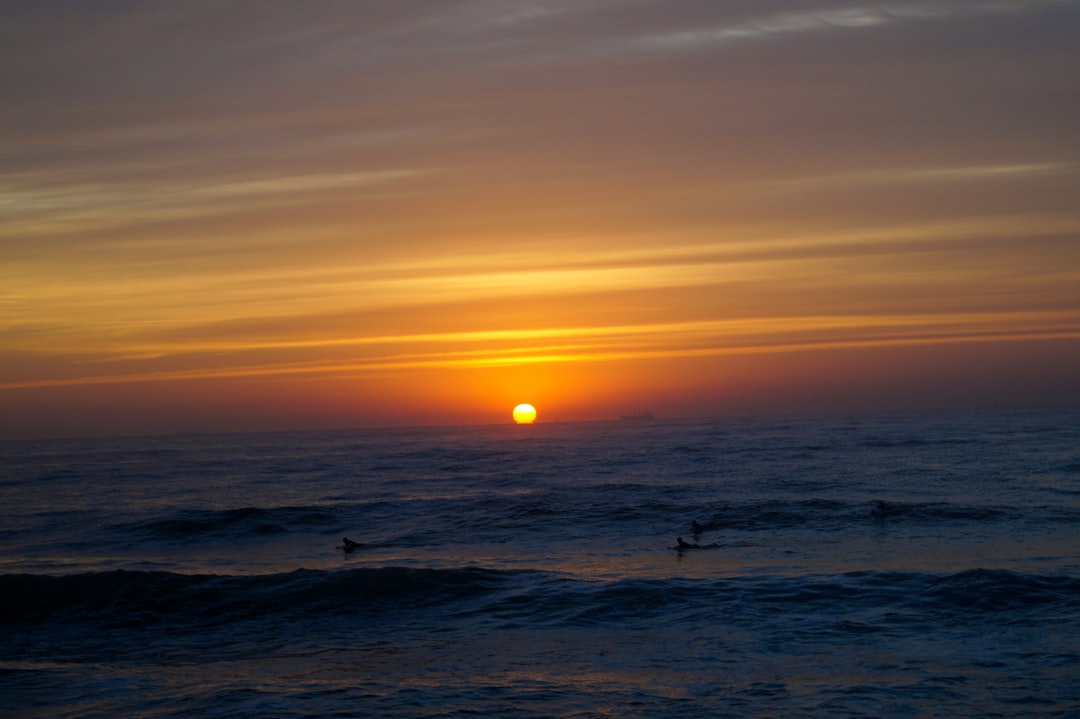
[528, 571]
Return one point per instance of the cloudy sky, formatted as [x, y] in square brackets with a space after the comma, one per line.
[265, 214]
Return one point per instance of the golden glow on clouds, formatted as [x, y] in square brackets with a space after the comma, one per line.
[121, 314]
[602, 344]
[232, 293]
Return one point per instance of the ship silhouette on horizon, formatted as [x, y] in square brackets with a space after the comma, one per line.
[646, 416]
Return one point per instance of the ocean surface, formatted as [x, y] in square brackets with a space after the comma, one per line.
[528, 571]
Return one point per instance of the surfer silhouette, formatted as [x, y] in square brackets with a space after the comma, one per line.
[882, 508]
[682, 545]
[349, 545]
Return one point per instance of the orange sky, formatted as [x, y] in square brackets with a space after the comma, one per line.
[257, 215]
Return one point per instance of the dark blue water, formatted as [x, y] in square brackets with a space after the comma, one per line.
[528, 571]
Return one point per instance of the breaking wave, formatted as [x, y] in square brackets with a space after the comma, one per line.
[140, 598]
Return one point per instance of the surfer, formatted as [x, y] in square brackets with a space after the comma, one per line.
[349, 545]
[681, 545]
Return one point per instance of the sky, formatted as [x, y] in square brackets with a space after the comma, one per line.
[261, 215]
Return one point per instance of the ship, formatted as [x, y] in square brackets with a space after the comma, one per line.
[645, 416]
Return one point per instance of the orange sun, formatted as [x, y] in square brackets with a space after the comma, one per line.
[524, 414]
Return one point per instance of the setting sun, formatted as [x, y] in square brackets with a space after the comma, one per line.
[524, 414]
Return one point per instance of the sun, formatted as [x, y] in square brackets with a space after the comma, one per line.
[524, 414]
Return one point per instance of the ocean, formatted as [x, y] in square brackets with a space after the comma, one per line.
[894, 565]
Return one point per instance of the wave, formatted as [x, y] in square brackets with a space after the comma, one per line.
[916, 442]
[234, 523]
[134, 599]
[826, 513]
[574, 511]
[944, 511]
[143, 598]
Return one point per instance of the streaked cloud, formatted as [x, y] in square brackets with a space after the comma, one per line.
[30, 211]
[929, 176]
[826, 18]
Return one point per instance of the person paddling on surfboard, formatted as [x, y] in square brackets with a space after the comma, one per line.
[681, 545]
[349, 545]
[882, 509]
